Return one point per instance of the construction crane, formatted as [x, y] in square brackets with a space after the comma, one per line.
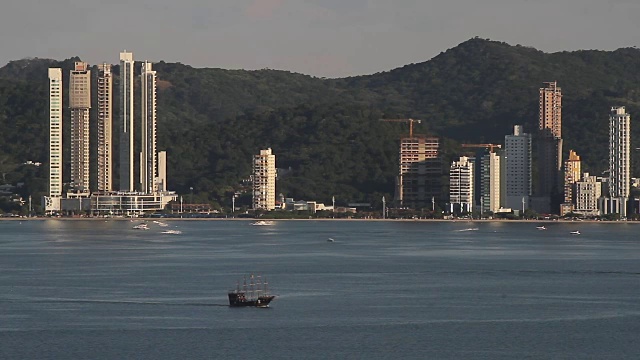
[484, 146]
[410, 121]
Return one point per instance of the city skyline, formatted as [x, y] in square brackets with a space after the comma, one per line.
[322, 38]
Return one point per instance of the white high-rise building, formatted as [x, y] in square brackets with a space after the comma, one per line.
[264, 180]
[104, 128]
[461, 184]
[148, 159]
[126, 121]
[587, 194]
[619, 160]
[52, 202]
[491, 188]
[80, 105]
[518, 169]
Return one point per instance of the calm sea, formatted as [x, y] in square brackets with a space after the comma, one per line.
[382, 290]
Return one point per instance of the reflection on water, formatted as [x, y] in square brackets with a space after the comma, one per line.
[493, 290]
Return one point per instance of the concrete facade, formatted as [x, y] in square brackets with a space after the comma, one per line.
[264, 180]
[518, 169]
[148, 156]
[80, 105]
[104, 90]
[126, 121]
[461, 185]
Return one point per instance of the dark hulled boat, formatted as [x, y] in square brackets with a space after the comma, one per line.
[254, 294]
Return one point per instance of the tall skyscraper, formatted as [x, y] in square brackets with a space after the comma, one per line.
[619, 159]
[126, 121]
[491, 189]
[55, 135]
[148, 159]
[518, 169]
[420, 173]
[461, 185]
[104, 128]
[264, 180]
[80, 105]
[549, 143]
[572, 173]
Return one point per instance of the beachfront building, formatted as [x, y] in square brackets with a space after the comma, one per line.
[104, 90]
[588, 191]
[126, 121]
[419, 178]
[148, 155]
[461, 185]
[264, 180]
[619, 161]
[572, 173]
[51, 203]
[517, 157]
[491, 189]
[549, 146]
[80, 105]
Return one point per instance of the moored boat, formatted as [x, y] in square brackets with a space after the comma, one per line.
[262, 223]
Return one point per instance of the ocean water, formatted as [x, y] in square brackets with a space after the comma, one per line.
[382, 290]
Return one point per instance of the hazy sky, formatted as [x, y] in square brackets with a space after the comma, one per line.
[319, 37]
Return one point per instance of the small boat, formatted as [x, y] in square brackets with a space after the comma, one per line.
[254, 294]
[160, 223]
[541, 228]
[331, 240]
[174, 232]
[142, 226]
[575, 232]
[468, 229]
[262, 223]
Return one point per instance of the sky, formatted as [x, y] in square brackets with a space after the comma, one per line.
[325, 38]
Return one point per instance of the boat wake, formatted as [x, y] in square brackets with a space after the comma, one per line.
[115, 302]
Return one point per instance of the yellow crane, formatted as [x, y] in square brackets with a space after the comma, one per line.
[410, 121]
[484, 146]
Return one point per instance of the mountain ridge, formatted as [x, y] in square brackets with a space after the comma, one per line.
[212, 120]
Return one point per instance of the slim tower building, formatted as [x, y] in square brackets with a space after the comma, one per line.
[80, 105]
[55, 135]
[264, 180]
[572, 173]
[148, 156]
[518, 168]
[490, 182]
[162, 171]
[104, 128]
[549, 142]
[126, 121]
[619, 159]
[461, 184]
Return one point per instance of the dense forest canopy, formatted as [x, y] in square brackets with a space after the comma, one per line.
[326, 132]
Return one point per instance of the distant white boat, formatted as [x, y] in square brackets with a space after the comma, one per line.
[160, 223]
[541, 228]
[330, 240]
[468, 229]
[141, 227]
[174, 232]
[575, 232]
[262, 223]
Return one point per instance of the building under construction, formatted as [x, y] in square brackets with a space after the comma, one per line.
[419, 179]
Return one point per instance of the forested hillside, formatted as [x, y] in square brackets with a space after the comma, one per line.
[327, 131]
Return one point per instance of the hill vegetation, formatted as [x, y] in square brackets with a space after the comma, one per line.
[326, 132]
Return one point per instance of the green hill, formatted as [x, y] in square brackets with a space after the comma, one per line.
[211, 121]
